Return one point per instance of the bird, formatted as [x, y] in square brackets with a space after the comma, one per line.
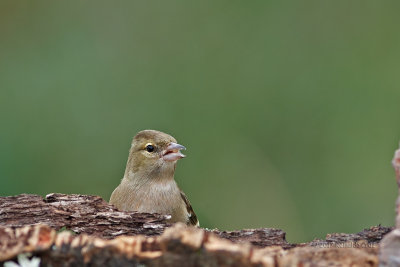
[148, 184]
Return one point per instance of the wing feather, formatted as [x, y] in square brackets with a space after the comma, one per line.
[192, 218]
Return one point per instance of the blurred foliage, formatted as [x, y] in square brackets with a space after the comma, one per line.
[290, 111]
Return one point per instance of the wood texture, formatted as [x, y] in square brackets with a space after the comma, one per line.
[177, 246]
[95, 233]
[389, 254]
[78, 213]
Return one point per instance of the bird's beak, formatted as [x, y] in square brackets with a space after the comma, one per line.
[172, 152]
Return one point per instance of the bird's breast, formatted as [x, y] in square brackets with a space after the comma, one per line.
[162, 198]
[158, 197]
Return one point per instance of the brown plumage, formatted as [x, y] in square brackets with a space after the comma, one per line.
[148, 184]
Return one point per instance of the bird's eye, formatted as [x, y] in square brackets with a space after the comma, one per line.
[150, 148]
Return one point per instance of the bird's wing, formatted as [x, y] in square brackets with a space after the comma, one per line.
[192, 216]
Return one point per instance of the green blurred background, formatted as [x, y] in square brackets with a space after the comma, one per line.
[290, 111]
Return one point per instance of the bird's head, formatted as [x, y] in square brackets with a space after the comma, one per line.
[153, 154]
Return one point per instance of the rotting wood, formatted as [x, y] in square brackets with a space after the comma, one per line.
[101, 235]
[389, 254]
[78, 213]
[177, 246]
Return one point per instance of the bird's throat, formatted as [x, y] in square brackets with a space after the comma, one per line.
[162, 173]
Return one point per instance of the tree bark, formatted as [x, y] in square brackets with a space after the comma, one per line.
[74, 230]
[389, 254]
